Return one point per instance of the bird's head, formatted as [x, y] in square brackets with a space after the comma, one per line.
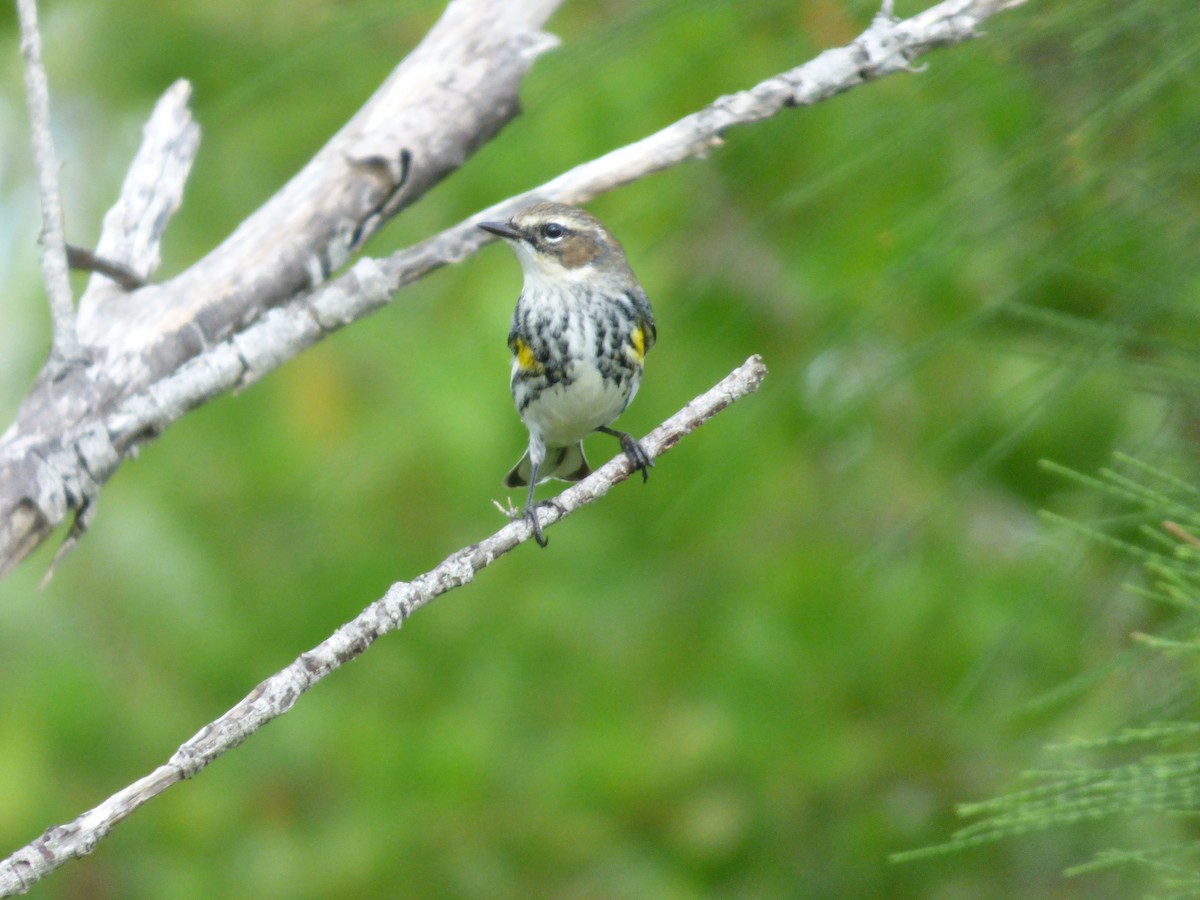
[559, 242]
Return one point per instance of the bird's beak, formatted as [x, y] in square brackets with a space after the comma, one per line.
[503, 229]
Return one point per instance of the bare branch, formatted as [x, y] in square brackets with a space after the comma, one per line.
[134, 227]
[886, 46]
[448, 97]
[64, 349]
[279, 693]
[45, 476]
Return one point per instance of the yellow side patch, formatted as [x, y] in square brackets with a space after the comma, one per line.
[638, 338]
[525, 358]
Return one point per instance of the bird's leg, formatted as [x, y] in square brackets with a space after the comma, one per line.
[530, 512]
[634, 451]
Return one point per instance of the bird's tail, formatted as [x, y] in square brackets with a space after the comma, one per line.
[563, 463]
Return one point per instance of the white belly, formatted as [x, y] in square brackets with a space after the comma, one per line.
[565, 414]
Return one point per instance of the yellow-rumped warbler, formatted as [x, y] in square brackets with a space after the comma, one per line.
[580, 331]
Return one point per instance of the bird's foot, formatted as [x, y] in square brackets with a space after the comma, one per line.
[528, 512]
[536, 525]
[634, 452]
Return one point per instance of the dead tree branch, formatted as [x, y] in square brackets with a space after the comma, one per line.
[64, 349]
[277, 694]
[160, 361]
[447, 98]
[133, 229]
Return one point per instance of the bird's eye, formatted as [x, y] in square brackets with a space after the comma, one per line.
[553, 232]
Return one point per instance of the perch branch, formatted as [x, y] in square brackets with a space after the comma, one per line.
[278, 693]
[65, 349]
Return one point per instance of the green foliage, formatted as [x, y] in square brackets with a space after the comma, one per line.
[830, 615]
[1148, 771]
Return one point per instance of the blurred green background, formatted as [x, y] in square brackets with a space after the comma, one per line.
[831, 614]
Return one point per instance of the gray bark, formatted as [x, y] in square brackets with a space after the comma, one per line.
[447, 98]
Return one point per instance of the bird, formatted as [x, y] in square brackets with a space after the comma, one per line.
[579, 335]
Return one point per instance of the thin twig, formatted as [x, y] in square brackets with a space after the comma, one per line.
[84, 260]
[64, 349]
[277, 694]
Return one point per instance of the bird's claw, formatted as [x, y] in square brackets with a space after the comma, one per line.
[536, 525]
[637, 456]
[528, 512]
